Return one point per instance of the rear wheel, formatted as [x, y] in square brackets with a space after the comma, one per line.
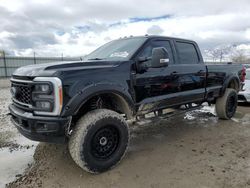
[227, 104]
[99, 140]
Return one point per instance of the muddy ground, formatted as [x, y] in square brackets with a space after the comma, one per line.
[191, 150]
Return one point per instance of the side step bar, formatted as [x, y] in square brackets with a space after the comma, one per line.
[164, 114]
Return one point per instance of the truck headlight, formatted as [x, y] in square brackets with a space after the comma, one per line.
[44, 105]
[47, 96]
[45, 88]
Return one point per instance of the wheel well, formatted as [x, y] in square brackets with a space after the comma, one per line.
[233, 84]
[111, 101]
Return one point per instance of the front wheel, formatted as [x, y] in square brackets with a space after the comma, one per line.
[227, 104]
[99, 140]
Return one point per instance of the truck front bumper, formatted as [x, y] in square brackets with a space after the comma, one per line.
[39, 128]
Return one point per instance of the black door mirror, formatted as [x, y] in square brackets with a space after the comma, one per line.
[160, 57]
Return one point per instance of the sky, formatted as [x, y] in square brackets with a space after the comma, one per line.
[75, 28]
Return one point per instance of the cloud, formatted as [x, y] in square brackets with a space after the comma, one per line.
[25, 41]
[78, 27]
[155, 30]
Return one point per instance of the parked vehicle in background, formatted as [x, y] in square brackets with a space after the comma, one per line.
[247, 66]
[89, 103]
[244, 95]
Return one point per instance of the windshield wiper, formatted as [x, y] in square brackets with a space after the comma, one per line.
[96, 58]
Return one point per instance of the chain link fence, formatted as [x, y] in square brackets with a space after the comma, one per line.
[8, 64]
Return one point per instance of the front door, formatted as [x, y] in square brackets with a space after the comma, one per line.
[153, 86]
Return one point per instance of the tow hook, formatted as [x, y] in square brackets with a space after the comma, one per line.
[68, 130]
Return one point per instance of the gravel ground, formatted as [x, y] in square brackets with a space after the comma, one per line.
[191, 150]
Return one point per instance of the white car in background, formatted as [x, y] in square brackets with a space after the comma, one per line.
[244, 96]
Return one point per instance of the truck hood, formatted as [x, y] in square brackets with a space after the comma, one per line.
[53, 69]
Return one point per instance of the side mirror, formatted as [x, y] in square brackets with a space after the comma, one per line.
[160, 57]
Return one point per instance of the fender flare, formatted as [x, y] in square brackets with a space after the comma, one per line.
[82, 96]
[228, 80]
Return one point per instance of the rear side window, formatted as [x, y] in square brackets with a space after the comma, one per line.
[187, 53]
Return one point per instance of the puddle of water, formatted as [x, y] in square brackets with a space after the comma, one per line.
[13, 163]
[189, 116]
[201, 116]
[207, 113]
[15, 158]
[208, 110]
[16, 151]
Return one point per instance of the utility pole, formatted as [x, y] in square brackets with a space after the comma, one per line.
[34, 57]
[5, 65]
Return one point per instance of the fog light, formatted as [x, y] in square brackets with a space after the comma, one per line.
[44, 127]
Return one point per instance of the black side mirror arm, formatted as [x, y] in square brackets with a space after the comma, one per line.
[141, 68]
[143, 59]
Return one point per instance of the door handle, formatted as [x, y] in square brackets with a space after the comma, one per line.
[174, 73]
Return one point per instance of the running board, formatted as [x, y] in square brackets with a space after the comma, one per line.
[163, 114]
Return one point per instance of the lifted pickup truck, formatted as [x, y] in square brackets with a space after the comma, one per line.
[89, 103]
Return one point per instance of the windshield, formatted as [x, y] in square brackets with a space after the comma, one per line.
[121, 49]
[248, 75]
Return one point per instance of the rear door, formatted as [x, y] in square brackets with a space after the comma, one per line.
[191, 71]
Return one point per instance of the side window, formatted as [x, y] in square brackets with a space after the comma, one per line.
[147, 51]
[187, 53]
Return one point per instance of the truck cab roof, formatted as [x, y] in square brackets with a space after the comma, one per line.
[159, 37]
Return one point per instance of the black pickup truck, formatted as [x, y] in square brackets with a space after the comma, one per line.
[89, 103]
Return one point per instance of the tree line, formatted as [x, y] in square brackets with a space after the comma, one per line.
[232, 53]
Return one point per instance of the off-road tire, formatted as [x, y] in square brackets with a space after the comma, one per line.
[227, 104]
[89, 156]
